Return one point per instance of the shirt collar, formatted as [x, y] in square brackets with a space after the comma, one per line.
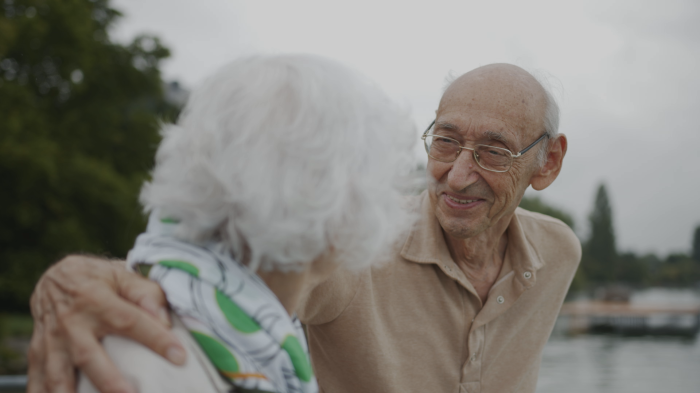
[426, 244]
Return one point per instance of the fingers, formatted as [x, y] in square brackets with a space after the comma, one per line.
[76, 303]
[143, 292]
[88, 355]
[125, 319]
[50, 369]
[59, 375]
[65, 305]
[50, 365]
[35, 372]
[36, 354]
[102, 311]
[73, 341]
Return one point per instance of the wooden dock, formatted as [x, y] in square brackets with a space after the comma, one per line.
[628, 318]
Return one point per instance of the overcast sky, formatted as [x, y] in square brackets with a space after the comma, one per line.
[626, 73]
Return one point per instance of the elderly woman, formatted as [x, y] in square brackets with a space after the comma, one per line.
[280, 170]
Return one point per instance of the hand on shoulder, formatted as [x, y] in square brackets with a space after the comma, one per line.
[76, 303]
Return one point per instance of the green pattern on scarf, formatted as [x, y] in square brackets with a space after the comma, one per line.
[300, 361]
[222, 358]
[169, 220]
[235, 316]
[182, 265]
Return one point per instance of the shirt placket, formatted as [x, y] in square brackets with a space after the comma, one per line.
[501, 298]
[471, 370]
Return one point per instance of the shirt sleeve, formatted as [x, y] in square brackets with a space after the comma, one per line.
[330, 298]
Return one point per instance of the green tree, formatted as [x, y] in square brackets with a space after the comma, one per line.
[77, 136]
[632, 270]
[678, 270]
[695, 253]
[535, 204]
[600, 254]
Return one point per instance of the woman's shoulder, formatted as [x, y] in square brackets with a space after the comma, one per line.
[149, 372]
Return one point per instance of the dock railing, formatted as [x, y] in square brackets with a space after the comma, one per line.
[626, 318]
[13, 383]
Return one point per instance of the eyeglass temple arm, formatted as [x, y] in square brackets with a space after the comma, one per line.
[428, 129]
[523, 151]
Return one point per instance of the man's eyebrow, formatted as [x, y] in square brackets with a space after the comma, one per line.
[496, 136]
[446, 126]
[492, 135]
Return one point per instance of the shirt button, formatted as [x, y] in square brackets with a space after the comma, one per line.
[500, 300]
[527, 274]
[473, 358]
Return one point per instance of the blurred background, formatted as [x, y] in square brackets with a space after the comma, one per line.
[85, 83]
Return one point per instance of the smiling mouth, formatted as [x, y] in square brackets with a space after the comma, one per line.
[461, 201]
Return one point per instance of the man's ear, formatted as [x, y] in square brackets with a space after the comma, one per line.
[545, 176]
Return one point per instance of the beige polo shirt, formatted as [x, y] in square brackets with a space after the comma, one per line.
[415, 323]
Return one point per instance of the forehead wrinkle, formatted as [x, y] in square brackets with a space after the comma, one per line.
[488, 134]
[496, 136]
[446, 126]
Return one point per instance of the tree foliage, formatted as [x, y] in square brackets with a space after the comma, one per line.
[695, 253]
[535, 204]
[678, 270]
[599, 262]
[78, 133]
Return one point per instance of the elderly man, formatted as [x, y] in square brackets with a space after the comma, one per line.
[465, 304]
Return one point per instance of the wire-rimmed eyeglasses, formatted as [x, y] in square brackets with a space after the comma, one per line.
[492, 158]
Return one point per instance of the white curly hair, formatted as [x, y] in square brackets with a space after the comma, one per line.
[283, 158]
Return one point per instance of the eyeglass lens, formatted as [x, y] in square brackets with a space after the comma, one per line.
[488, 157]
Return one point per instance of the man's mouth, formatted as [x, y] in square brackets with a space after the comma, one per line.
[461, 201]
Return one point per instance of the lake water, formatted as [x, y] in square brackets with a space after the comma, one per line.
[616, 364]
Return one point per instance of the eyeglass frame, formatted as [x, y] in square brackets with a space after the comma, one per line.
[512, 156]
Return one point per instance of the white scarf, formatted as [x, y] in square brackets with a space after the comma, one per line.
[238, 322]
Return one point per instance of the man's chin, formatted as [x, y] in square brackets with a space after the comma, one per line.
[460, 227]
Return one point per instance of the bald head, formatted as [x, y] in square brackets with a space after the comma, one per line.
[507, 94]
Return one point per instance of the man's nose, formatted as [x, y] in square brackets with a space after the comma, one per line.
[464, 171]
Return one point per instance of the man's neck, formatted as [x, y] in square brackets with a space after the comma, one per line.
[481, 257]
